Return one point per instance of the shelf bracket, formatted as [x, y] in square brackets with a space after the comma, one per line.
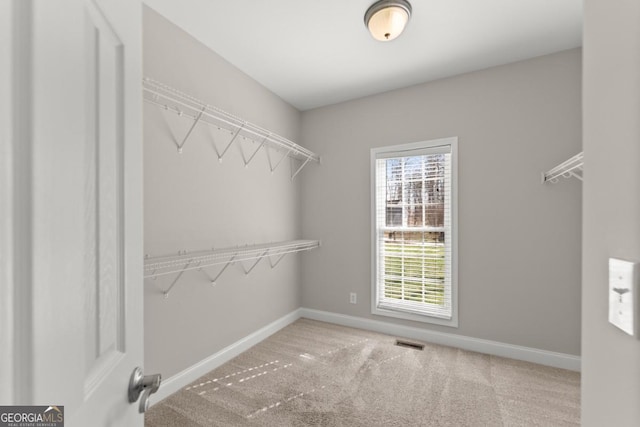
[273, 168]
[572, 174]
[213, 281]
[300, 168]
[235, 135]
[195, 122]
[166, 293]
[246, 163]
[246, 272]
[274, 264]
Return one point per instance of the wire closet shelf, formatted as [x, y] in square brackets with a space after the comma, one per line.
[567, 169]
[184, 105]
[178, 264]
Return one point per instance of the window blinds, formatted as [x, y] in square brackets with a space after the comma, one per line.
[413, 231]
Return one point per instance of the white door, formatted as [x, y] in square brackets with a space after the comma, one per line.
[71, 191]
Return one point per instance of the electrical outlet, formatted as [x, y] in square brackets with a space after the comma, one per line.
[353, 298]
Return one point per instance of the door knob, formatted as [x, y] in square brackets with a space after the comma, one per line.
[145, 385]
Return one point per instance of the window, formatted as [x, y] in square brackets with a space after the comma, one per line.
[414, 226]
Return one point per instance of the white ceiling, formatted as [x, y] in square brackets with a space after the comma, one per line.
[318, 52]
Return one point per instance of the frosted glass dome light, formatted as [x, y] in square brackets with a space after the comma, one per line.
[386, 19]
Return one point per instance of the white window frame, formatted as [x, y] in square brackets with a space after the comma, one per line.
[409, 150]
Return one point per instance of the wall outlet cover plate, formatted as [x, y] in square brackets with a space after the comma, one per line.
[623, 293]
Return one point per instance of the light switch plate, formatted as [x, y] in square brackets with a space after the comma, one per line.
[623, 292]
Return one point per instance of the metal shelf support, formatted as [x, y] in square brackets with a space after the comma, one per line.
[271, 166]
[227, 264]
[274, 264]
[195, 122]
[233, 138]
[166, 293]
[246, 272]
[246, 162]
[299, 169]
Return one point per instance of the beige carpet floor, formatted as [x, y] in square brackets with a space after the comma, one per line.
[318, 374]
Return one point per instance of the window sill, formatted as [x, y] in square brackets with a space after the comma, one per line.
[453, 322]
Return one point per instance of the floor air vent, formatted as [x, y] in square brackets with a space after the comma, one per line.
[408, 344]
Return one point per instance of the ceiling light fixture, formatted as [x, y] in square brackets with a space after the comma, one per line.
[386, 19]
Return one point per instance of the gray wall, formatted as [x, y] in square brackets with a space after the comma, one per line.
[610, 358]
[193, 202]
[519, 241]
[519, 257]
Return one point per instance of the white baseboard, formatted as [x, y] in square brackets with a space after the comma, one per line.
[528, 354]
[192, 373]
